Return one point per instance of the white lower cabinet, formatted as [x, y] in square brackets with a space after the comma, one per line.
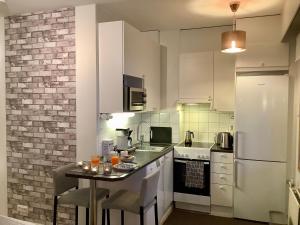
[221, 195]
[165, 186]
[221, 184]
[217, 178]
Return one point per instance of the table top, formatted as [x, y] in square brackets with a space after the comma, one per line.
[142, 159]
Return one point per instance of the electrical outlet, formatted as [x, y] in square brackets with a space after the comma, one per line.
[22, 209]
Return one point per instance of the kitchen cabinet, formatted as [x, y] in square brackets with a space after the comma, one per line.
[207, 77]
[168, 180]
[224, 82]
[222, 184]
[151, 66]
[196, 77]
[125, 50]
[264, 48]
[165, 185]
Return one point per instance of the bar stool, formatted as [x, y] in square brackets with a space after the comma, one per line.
[137, 203]
[78, 197]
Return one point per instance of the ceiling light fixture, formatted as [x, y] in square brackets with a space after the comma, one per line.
[234, 41]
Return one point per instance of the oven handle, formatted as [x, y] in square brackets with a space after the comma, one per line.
[185, 161]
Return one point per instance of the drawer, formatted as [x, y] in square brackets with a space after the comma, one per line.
[217, 178]
[222, 157]
[222, 168]
[222, 195]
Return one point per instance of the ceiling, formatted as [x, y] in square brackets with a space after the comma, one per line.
[161, 14]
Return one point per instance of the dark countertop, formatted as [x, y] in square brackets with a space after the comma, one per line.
[142, 159]
[217, 148]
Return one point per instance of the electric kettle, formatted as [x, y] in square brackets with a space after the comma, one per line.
[188, 138]
[224, 140]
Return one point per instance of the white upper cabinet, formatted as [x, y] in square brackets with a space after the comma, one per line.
[196, 77]
[224, 82]
[134, 47]
[151, 67]
[125, 50]
[264, 47]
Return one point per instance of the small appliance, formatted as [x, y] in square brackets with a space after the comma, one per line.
[134, 94]
[160, 135]
[224, 140]
[188, 138]
[124, 141]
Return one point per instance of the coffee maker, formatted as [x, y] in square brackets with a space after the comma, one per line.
[124, 141]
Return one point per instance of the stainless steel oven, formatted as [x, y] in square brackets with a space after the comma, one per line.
[180, 178]
[134, 94]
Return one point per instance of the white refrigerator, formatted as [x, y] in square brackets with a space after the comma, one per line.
[261, 147]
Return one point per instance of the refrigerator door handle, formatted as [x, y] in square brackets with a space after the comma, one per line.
[236, 137]
[235, 173]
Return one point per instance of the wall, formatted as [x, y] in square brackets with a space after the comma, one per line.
[205, 123]
[41, 103]
[3, 163]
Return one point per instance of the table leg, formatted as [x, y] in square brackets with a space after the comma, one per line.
[93, 203]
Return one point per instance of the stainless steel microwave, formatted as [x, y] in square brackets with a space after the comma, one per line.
[134, 94]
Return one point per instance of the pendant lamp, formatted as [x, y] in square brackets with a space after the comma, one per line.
[234, 41]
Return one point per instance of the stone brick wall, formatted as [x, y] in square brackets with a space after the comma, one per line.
[40, 95]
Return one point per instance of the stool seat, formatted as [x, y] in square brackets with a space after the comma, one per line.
[81, 197]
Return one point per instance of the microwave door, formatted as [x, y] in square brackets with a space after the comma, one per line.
[136, 99]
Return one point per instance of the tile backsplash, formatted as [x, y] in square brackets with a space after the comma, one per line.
[197, 118]
[204, 123]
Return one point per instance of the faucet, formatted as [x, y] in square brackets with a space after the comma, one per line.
[140, 137]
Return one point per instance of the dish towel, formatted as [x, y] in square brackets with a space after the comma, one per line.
[194, 174]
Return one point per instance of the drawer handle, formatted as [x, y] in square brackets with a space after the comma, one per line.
[222, 188]
[223, 155]
[222, 177]
[223, 166]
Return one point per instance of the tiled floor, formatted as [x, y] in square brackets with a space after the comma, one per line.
[182, 217]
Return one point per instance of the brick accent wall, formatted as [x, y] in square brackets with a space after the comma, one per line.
[40, 95]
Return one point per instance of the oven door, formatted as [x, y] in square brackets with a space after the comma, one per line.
[137, 99]
[180, 176]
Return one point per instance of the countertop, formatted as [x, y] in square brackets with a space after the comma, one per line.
[142, 159]
[217, 148]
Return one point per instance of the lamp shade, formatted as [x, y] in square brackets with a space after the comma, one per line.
[234, 41]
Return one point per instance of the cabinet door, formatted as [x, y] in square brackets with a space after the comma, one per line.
[224, 79]
[261, 187]
[264, 55]
[168, 180]
[151, 67]
[196, 76]
[133, 51]
[221, 195]
[160, 189]
[110, 67]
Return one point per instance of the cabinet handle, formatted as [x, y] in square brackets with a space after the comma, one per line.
[222, 188]
[236, 143]
[235, 173]
[223, 166]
